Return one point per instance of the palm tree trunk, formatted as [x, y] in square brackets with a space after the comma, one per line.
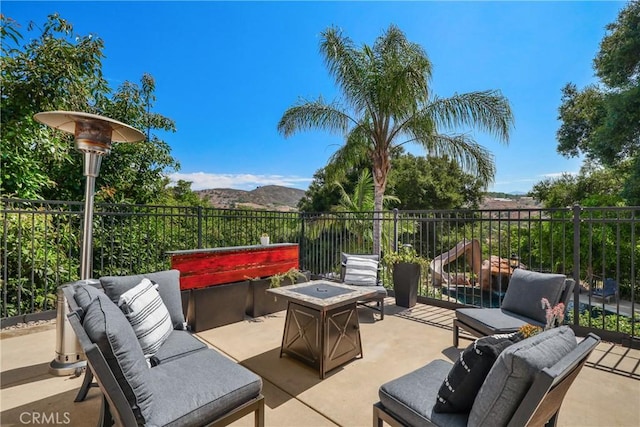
[381, 166]
[377, 217]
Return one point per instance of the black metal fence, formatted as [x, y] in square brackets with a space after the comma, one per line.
[40, 247]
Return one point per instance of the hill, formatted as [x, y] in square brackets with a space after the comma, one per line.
[271, 197]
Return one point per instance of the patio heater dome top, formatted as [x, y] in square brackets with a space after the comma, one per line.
[92, 132]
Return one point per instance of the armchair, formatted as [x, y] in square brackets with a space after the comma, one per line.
[521, 305]
[525, 386]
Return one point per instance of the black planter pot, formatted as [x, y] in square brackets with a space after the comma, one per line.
[260, 302]
[406, 277]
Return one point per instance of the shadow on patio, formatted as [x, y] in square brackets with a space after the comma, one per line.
[604, 394]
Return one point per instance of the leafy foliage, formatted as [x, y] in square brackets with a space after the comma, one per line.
[603, 121]
[58, 69]
[432, 183]
[38, 244]
[593, 186]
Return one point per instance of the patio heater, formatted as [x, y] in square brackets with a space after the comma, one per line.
[93, 137]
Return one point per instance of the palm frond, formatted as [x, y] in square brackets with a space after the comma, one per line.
[352, 154]
[347, 65]
[471, 156]
[318, 114]
[487, 110]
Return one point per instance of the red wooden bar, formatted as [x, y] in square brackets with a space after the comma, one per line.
[215, 282]
[201, 268]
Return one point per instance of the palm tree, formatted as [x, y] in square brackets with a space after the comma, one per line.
[358, 207]
[352, 214]
[388, 103]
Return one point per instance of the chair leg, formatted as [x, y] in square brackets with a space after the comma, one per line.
[553, 421]
[377, 421]
[381, 305]
[87, 383]
[456, 331]
[259, 416]
[105, 419]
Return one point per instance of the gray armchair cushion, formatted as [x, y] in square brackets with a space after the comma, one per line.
[527, 288]
[107, 326]
[513, 373]
[413, 396]
[379, 290]
[221, 384]
[493, 320]
[168, 287]
[179, 344]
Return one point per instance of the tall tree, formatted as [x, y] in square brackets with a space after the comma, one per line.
[58, 69]
[432, 183]
[602, 121]
[593, 186]
[388, 102]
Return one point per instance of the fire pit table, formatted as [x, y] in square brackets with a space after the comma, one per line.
[321, 327]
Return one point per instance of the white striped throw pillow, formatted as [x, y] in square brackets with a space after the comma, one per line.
[147, 314]
[361, 271]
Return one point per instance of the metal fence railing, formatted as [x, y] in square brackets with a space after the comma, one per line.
[40, 247]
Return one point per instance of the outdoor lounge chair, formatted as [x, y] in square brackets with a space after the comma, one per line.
[521, 305]
[184, 383]
[608, 290]
[372, 282]
[525, 386]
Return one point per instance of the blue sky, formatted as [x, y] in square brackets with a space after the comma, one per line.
[226, 72]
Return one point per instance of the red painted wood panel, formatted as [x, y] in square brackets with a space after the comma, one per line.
[202, 269]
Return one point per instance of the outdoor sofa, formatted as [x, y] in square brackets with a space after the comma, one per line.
[183, 383]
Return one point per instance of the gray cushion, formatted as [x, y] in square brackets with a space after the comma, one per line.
[493, 320]
[221, 385]
[107, 327]
[380, 291]
[527, 288]
[168, 287]
[179, 344]
[513, 373]
[413, 396]
[84, 295]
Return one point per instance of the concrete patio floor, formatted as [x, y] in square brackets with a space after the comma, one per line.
[606, 393]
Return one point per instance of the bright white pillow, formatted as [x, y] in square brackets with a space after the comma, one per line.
[147, 314]
[361, 271]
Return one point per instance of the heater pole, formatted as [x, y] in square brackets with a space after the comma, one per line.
[91, 171]
[93, 138]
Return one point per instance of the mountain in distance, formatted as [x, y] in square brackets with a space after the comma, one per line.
[270, 197]
[276, 197]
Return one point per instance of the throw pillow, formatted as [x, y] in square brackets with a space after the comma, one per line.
[361, 271]
[460, 387]
[147, 315]
[169, 290]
